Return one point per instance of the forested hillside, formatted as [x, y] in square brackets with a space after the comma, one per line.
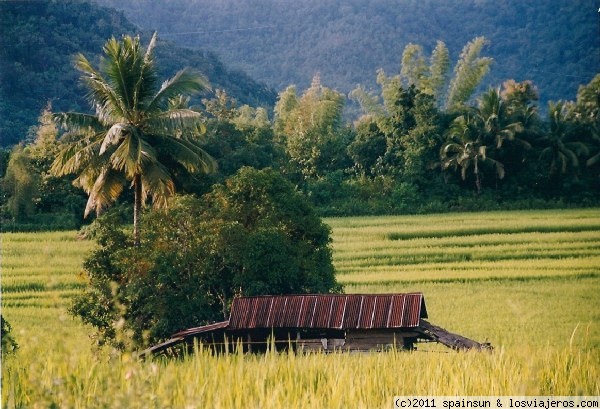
[40, 39]
[431, 138]
[556, 44]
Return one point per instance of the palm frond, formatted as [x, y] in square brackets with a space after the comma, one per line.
[107, 187]
[150, 48]
[77, 122]
[101, 94]
[127, 157]
[177, 122]
[189, 155]
[450, 147]
[499, 167]
[76, 155]
[157, 182]
[579, 148]
[148, 152]
[114, 135]
[564, 162]
[147, 83]
[122, 70]
[184, 82]
[593, 160]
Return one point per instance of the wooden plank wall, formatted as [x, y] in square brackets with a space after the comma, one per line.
[378, 340]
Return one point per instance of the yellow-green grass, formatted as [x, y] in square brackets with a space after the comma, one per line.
[81, 380]
[519, 245]
[528, 282]
[41, 269]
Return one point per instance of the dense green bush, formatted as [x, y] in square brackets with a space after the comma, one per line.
[252, 235]
[9, 345]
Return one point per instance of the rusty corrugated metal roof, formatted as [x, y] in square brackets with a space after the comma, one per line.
[339, 311]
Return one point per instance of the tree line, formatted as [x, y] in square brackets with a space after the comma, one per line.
[422, 143]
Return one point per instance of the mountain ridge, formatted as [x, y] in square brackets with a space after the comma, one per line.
[40, 40]
[556, 44]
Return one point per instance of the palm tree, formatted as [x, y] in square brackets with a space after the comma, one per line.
[464, 150]
[140, 132]
[561, 153]
[497, 125]
[594, 143]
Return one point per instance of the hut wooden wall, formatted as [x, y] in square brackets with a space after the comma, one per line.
[379, 339]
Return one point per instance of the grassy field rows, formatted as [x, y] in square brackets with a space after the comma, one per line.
[40, 269]
[528, 282]
[467, 246]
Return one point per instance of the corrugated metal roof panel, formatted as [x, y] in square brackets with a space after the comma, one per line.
[262, 314]
[322, 312]
[413, 305]
[277, 312]
[338, 308]
[328, 311]
[396, 311]
[382, 309]
[365, 317]
[307, 311]
[292, 316]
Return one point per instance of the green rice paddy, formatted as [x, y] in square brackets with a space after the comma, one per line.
[528, 282]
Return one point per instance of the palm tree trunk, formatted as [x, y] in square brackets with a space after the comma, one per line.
[137, 209]
[477, 179]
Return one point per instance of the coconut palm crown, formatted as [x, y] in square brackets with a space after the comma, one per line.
[140, 133]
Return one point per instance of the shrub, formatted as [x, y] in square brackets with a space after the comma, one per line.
[9, 345]
[253, 235]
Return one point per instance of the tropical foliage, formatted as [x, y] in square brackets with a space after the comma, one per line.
[142, 134]
[33, 198]
[559, 150]
[427, 140]
[9, 345]
[310, 128]
[253, 235]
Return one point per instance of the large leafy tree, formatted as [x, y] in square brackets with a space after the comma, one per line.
[430, 79]
[311, 129]
[140, 134]
[31, 195]
[430, 76]
[20, 185]
[255, 234]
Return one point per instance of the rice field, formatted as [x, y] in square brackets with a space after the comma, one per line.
[528, 282]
